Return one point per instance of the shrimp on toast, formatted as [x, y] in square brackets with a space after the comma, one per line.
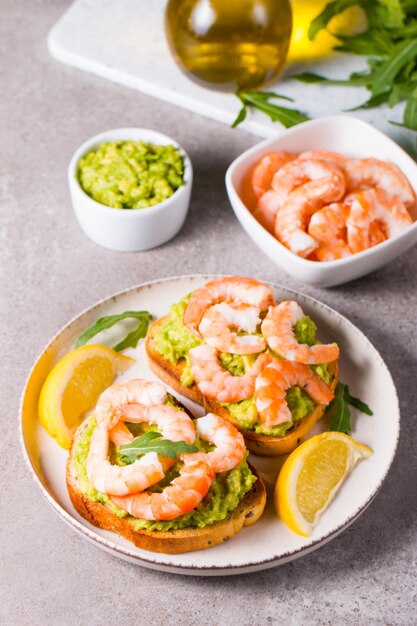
[230, 445]
[272, 384]
[182, 495]
[217, 323]
[231, 289]
[277, 328]
[215, 382]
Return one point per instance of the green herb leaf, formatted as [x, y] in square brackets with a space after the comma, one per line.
[329, 11]
[260, 100]
[241, 116]
[410, 114]
[355, 79]
[152, 442]
[357, 403]
[130, 341]
[387, 13]
[373, 42]
[406, 51]
[339, 412]
[373, 102]
[402, 91]
[390, 44]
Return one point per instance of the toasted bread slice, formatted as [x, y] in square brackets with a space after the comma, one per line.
[265, 445]
[247, 512]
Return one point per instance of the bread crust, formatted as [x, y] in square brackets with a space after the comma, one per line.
[247, 512]
[264, 445]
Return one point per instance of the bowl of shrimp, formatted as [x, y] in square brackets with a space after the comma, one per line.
[328, 201]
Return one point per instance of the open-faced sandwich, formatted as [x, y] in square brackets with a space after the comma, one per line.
[143, 467]
[254, 361]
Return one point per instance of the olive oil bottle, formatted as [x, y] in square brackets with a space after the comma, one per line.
[229, 45]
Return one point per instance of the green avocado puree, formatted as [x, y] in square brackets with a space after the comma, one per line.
[131, 174]
[174, 342]
[226, 491]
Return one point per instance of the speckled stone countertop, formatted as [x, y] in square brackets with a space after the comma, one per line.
[50, 271]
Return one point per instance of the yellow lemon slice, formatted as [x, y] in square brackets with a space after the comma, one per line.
[73, 387]
[311, 477]
[350, 22]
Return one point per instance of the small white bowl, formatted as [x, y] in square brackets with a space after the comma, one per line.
[130, 230]
[339, 133]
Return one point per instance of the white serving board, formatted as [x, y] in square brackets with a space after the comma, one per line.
[124, 41]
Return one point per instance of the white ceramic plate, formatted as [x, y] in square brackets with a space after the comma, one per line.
[269, 542]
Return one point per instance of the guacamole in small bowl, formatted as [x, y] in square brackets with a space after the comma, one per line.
[131, 174]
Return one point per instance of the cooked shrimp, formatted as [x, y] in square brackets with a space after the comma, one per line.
[218, 320]
[182, 495]
[136, 391]
[277, 328]
[327, 184]
[328, 227]
[266, 168]
[236, 289]
[272, 384]
[369, 173]
[120, 434]
[266, 209]
[120, 480]
[325, 155]
[173, 423]
[370, 207]
[230, 445]
[216, 382]
[299, 172]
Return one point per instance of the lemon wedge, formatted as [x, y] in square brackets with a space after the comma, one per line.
[73, 387]
[349, 22]
[312, 475]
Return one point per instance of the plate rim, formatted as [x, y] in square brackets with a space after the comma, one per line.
[126, 553]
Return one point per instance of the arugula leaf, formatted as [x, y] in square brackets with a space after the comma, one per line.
[387, 13]
[329, 11]
[410, 114]
[130, 341]
[339, 412]
[241, 116]
[357, 403]
[390, 43]
[373, 42]
[405, 51]
[260, 100]
[152, 442]
[355, 80]
[373, 102]
[401, 91]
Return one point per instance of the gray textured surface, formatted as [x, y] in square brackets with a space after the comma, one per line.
[50, 271]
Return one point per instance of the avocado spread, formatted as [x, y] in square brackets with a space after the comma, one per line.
[224, 495]
[131, 174]
[174, 341]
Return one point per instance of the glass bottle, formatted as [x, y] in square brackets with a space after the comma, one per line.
[229, 45]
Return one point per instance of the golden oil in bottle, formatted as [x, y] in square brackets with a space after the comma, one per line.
[229, 45]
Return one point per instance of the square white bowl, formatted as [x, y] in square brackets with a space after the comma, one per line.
[339, 133]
